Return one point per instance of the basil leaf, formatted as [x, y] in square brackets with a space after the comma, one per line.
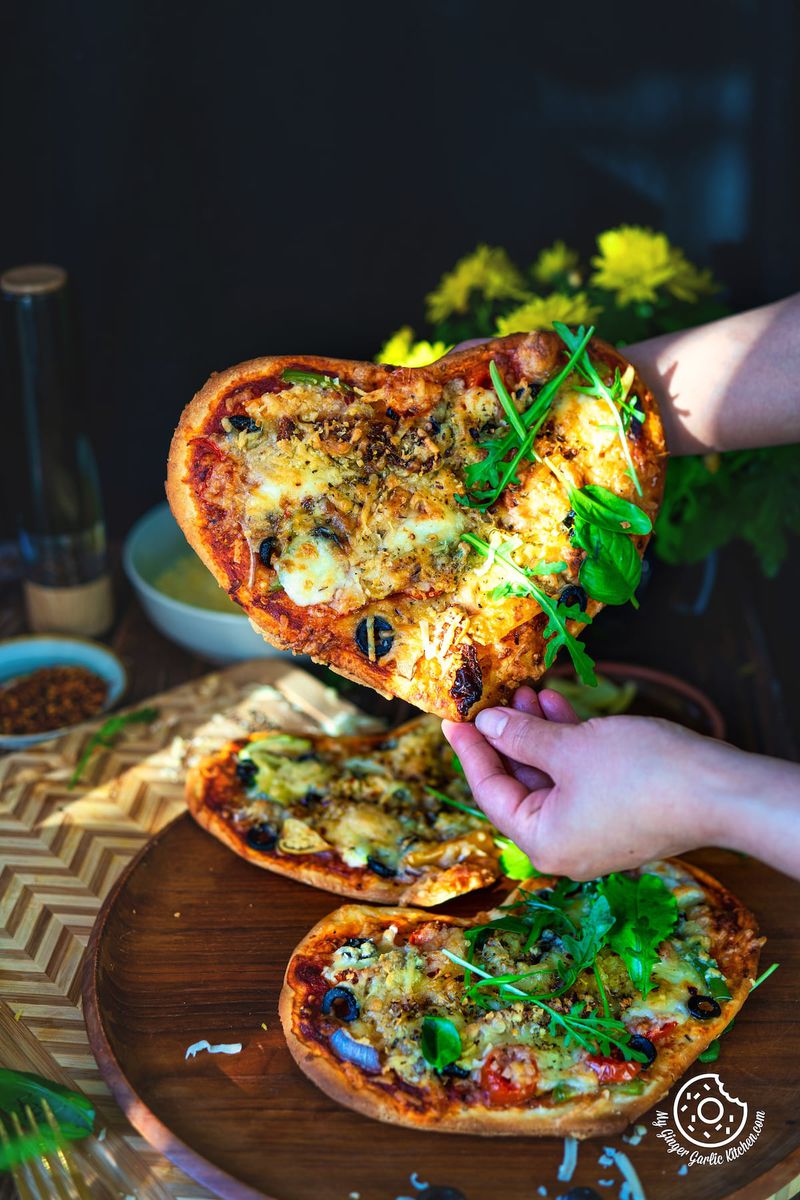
[440, 1042]
[645, 914]
[612, 568]
[73, 1115]
[598, 506]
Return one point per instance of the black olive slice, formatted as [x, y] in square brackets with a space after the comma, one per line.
[455, 1071]
[581, 1193]
[643, 1044]
[380, 868]
[358, 941]
[574, 594]
[244, 424]
[246, 772]
[328, 534]
[383, 636]
[341, 1002]
[262, 837]
[569, 520]
[266, 551]
[704, 1008]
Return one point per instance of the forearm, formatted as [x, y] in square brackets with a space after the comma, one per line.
[730, 384]
[756, 810]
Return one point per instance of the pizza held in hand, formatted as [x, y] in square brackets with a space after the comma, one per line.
[384, 817]
[438, 533]
[571, 1010]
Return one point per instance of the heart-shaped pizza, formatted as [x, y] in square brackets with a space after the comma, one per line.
[438, 533]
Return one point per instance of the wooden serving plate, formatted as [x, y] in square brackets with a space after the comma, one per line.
[192, 944]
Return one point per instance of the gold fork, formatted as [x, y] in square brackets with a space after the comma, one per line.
[81, 1170]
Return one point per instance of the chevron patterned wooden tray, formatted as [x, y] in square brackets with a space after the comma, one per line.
[61, 851]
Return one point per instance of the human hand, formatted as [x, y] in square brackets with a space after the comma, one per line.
[583, 799]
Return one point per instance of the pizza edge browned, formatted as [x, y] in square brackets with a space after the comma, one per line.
[588, 1116]
[307, 630]
[433, 886]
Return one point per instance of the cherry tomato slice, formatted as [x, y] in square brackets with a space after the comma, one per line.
[509, 1076]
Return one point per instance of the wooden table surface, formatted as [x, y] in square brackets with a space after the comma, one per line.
[720, 626]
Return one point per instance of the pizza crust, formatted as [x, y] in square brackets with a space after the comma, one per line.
[736, 943]
[202, 491]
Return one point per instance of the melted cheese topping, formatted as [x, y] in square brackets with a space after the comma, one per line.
[398, 981]
[360, 501]
[376, 807]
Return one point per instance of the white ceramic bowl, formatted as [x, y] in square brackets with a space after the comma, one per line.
[150, 548]
[22, 655]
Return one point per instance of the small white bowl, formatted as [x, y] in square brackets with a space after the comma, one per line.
[21, 655]
[151, 548]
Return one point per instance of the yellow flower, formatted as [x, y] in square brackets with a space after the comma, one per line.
[633, 262]
[688, 281]
[400, 350]
[556, 260]
[539, 312]
[487, 270]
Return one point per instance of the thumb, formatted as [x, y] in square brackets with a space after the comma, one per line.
[527, 738]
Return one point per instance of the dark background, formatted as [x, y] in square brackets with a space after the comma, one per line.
[224, 180]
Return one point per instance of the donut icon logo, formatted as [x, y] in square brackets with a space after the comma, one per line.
[706, 1115]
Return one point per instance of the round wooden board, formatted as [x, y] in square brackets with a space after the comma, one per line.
[193, 943]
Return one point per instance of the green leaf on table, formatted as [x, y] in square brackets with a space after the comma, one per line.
[440, 1042]
[73, 1116]
[645, 914]
[106, 735]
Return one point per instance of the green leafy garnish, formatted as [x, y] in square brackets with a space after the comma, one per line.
[598, 506]
[764, 976]
[645, 914]
[315, 379]
[616, 396]
[558, 614]
[440, 1042]
[70, 1117]
[513, 861]
[485, 480]
[582, 949]
[106, 735]
[612, 569]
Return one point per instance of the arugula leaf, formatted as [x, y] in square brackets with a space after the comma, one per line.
[583, 949]
[106, 735]
[440, 1042]
[598, 506]
[612, 569]
[764, 976]
[315, 379]
[486, 479]
[73, 1116]
[615, 396]
[594, 1033]
[557, 614]
[467, 808]
[509, 408]
[645, 914]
